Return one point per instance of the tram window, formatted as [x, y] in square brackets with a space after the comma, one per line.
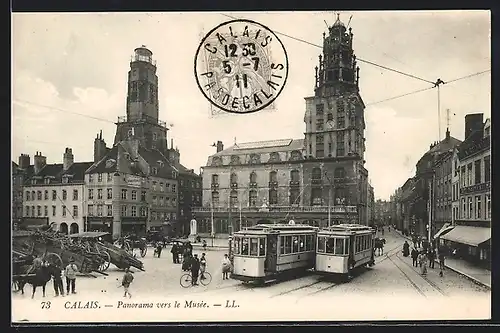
[288, 244]
[330, 247]
[244, 246]
[321, 244]
[282, 244]
[339, 246]
[309, 242]
[346, 246]
[295, 244]
[358, 244]
[254, 246]
[302, 243]
[236, 245]
[262, 246]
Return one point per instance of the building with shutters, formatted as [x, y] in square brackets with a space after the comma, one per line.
[319, 179]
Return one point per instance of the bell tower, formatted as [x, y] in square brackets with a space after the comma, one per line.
[335, 114]
[141, 121]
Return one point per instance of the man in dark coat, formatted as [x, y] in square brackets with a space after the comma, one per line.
[56, 273]
[414, 256]
[195, 269]
[432, 257]
[175, 253]
[406, 249]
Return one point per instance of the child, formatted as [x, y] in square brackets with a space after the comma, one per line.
[226, 267]
[127, 280]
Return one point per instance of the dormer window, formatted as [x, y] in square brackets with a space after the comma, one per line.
[160, 164]
[127, 156]
[174, 174]
[65, 180]
[33, 181]
[110, 163]
[155, 136]
[47, 180]
[154, 170]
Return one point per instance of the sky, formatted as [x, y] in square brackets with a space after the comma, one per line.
[70, 78]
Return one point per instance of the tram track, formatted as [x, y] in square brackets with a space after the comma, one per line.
[286, 292]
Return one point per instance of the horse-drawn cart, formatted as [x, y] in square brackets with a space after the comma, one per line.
[131, 242]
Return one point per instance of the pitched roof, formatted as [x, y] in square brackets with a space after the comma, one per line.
[263, 147]
[444, 145]
[56, 173]
[14, 165]
[103, 167]
[152, 157]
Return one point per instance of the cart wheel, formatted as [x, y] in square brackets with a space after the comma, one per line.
[186, 280]
[208, 278]
[144, 250]
[53, 258]
[106, 261]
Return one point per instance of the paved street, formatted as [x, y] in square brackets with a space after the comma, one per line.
[392, 282]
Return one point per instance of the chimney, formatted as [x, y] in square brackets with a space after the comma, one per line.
[220, 146]
[68, 159]
[171, 143]
[24, 161]
[473, 121]
[447, 134]
[39, 162]
[100, 149]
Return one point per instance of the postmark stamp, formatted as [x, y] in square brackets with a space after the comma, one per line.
[241, 66]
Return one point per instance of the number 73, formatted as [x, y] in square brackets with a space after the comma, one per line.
[228, 68]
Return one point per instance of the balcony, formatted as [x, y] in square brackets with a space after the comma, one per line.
[214, 186]
[476, 188]
[294, 183]
[281, 209]
[273, 184]
[143, 119]
[253, 184]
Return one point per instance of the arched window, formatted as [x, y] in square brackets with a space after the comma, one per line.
[254, 159]
[215, 179]
[234, 178]
[253, 177]
[252, 198]
[294, 176]
[73, 228]
[274, 157]
[235, 159]
[316, 173]
[63, 228]
[273, 196]
[339, 173]
[215, 198]
[295, 155]
[273, 176]
[294, 196]
[233, 198]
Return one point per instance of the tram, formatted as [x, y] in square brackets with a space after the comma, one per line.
[269, 252]
[343, 248]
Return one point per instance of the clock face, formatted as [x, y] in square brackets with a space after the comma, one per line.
[330, 124]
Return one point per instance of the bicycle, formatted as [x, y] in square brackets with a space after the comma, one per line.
[187, 280]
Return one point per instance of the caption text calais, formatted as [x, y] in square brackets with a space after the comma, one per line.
[82, 305]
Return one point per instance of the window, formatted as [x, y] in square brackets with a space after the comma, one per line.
[154, 186]
[262, 247]
[75, 211]
[309, 243]
[477, 172]
[330, 245]
[109, 209]
[134, 211]
[110, 177]
[302, 243]
[32, 211]
[91, 194]
[464, 209]
[469, 174]
[124, 194]
[53, 210]
[288, 244]
[124, 210]
[155, 202]
[253, 177]
[99, 210]
[64, 211]
[91, 178]
[46, 195]
[64, 180]
[155, 136]
[27, 195]
[252, 198]
[339, 173]
[320, 109]
[215, 179]
[45, 211]
[161, 187]
[488, 206]
[90, 210]
[143, 211]
[99, 177]
[487, 168]
[143, 195]
[39, 195]
[109, 193]
[254, 246]
[340, 121]
[294, 196]
[174, 186]
[273, 196]
[340, 144]
[478, 206]
[294, 176]
[154, 170]
[99, 193]
[329, 117]
[75, 194]
[64, 194]
[215, 198]
[233, 198]
[134, 195]
[321, 244]
[339, 246]
[319, 124]
[470, 216]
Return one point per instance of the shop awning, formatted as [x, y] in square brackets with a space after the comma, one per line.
[472, 236]
[446, 227]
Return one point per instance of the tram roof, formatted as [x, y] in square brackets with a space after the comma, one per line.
[347, 228]
[278, 227]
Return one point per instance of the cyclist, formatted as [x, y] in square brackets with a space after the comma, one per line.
[195, 269]
[203, 266]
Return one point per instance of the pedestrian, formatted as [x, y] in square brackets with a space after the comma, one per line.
[175, 254]
[226, 267]
[70, 273]
[423, 263]
[406, 249]
[414, 240]
[414, 256]
[56, 273]
[127, 280]
[195, 269]
[159, 248]
[203, 266]
[441, 260]
[204, 245]
[432, 257]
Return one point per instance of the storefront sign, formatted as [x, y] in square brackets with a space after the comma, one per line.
[134, 181]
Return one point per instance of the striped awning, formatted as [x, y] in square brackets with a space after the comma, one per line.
[472, 236]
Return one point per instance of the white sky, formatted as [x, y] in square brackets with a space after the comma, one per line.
[78, 63]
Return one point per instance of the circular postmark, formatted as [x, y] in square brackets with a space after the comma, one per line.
[241, 66]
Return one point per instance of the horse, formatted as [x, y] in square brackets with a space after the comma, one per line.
[41, 278]
[379, 245]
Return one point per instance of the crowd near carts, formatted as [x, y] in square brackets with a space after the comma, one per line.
[275, 251]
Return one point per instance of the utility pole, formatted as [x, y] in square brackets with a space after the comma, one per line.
[437, 84]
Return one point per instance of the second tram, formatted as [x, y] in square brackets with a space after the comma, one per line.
[344, 247]
[269, 252]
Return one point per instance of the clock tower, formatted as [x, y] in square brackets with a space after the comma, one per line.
[141, 121]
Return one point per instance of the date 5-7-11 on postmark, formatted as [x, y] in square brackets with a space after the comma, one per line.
[241, 66]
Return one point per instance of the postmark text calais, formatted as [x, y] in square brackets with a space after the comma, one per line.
[241, 66]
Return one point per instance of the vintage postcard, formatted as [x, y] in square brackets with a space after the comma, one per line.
[251, 166]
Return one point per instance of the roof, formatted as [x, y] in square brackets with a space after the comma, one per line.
[445, 145]
[56, 173]
[473, 143]
[268, 146]
[14, 165]
[468, 235]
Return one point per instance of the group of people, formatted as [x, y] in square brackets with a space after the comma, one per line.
[56, 273]
[425, 257]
